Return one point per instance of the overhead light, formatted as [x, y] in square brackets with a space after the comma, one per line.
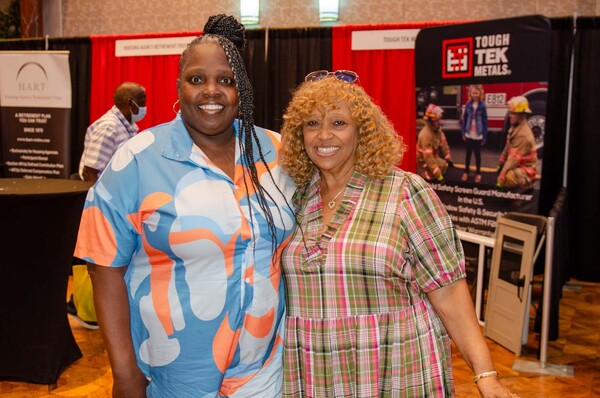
[329, 10]
[250, 10]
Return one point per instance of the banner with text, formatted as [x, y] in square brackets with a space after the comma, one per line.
[499, 59]
[35, 114]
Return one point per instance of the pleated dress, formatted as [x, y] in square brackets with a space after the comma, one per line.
[359, 323]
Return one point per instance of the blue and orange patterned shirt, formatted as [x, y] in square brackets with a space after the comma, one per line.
[205, 293]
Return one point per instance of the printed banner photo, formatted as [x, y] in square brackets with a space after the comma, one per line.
[481, 161]
[35, 114]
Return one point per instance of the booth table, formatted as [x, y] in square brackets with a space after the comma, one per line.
[39, 220]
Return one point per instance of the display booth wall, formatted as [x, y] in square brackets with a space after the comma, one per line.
[278, 59]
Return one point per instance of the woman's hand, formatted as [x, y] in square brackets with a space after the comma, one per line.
[454, 305]
[133, 386]
[490, 387]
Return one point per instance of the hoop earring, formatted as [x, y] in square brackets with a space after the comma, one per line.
[174, 105]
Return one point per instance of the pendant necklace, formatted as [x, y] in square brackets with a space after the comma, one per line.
[331, 203]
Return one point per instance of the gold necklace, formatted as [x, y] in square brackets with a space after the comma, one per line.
[331, 203]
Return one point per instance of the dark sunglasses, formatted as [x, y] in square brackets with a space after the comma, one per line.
[344, 75]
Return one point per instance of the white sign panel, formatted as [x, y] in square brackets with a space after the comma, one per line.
[393, 39]
[35, 79]
[152, 46]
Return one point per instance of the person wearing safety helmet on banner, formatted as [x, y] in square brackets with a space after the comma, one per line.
[518, 161]
[433, 152]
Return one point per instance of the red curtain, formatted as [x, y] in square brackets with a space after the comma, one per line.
[388, 76]
[156, 73]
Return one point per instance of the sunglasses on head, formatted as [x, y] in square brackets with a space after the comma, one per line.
[344, 75]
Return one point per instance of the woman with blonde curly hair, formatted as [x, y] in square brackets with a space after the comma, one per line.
[374, 274]
[379, 148]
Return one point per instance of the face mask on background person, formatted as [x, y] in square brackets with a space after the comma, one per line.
[141, 113]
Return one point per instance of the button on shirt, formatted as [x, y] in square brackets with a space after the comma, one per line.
[103, 137]
[205, 293]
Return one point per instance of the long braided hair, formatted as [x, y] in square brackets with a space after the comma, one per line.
[230, 35]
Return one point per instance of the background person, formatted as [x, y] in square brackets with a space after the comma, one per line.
[184, 227]
[474, 129]
[117, 125]
[374, 273]
[433, 152]
[518, 160]
[102, 138]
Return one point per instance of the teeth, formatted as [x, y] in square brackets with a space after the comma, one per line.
[211, 107]
[328, 149]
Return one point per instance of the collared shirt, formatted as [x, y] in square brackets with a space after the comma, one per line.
[205, 293]
[103, 137]
[359, 323]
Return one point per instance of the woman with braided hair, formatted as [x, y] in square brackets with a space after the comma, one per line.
[183, 231]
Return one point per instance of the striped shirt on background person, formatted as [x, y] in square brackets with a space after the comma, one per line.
[103, 137]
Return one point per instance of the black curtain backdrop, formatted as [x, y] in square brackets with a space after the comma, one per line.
[277, 61]
[554, 158]
[80, 65]
[254, 58]
[555, 137]
[583, 177]
[556, 112]
[292, 54]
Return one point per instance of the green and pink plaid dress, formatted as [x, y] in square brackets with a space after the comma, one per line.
[359, 323]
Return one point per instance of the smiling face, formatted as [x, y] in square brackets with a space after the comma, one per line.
[330, 140]
[475, 94]
[207, 93]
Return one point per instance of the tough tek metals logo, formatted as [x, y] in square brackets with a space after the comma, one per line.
[476, 56]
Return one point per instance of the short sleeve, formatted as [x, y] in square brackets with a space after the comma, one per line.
[434, 242]
[108, 234]
[100, 146]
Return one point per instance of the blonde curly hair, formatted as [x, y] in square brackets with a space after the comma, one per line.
[379, 148]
